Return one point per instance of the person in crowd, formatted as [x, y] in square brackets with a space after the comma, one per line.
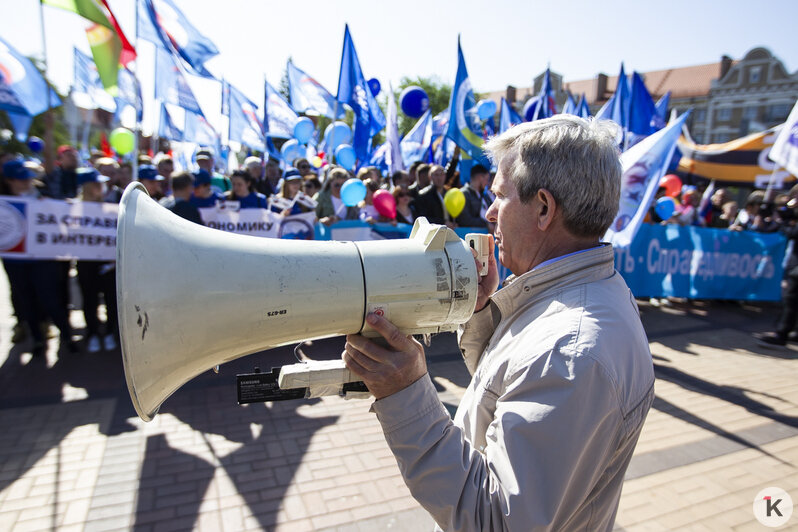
[476, 205]
[412, 173]
[152, 181]
[718, 199]
[291, 200]
[330, 207]
[166, 166]
[253, 165]
[97, 277]
[687, 212]
[429, 202]
[368, 212]
[109, 167]
[363, 174]
[36, 285]
[219, 183]
[272, 173]
[244, 191]
[63, 182]
[311, 186]
[750, 218]
[400, 179]
[727, 216]
[203, 196]
[422, 180]
[303, 165]
[562, 377]
[182, 188]
[125, 174]
[404, 207]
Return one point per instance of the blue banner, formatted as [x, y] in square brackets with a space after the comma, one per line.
[701, 263]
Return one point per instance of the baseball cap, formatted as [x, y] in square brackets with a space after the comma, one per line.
[291, 174]
[16, 169]
[201, 177]
[90, 175]
[148, 171]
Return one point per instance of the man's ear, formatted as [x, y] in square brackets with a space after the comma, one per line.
[547, 208]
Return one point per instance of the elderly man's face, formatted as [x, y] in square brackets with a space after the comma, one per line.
[437, 176]
[517, 234]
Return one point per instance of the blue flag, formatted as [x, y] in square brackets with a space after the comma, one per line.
[88, 91]
[20, 123]
[644, 164]
[166, 126]
[582, 109]
[308, 95]
[129, 93]
[546, 107]
[641, 107]
[415, 145]
[619, 110]
[161, 22]
[279, 118]
[661, 117]
[570, 106]
[245, 126]
[23, 90]
[508, 117]
[171, 85]
[354, 91]
[465, 127]
[199, 131]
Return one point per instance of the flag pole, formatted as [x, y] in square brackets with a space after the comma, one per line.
[49, 149]
[137, 128]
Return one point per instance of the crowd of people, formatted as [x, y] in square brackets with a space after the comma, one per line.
[40, 289]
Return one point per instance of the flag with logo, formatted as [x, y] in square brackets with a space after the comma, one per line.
[23, 90]
[279, 117]
[416, 144]
[128, 94]
[162, 23]
[643, 165]
[87, 90]
[171, 85]
[507, 117]
[355, 92]
[244, 125]
[199, 131]
[308, 95]
[465, 127]
[166, 126]
[785, 148]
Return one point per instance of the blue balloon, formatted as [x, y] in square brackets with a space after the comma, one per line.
[486, 109]
[303, 129]
[336, 134]
[374, 86]
[345, 156]
[353, 192]
[35, 144]
[291, 149]
[414, 101]
[529, 108]
[665, 207]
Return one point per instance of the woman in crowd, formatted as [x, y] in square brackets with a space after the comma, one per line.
[96, 277]
[404, 210]
[244, 191]
[330, 207]
[291, 200]
[368, 212]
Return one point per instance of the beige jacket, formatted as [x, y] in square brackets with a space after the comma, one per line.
[562, 382]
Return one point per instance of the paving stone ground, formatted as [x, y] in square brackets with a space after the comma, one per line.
[74, 456]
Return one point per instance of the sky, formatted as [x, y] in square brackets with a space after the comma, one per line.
[504, 42]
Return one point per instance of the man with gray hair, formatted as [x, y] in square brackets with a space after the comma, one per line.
[562, 377]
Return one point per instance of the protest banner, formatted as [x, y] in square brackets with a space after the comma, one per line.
[260, 222]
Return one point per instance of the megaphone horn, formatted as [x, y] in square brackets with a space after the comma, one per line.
[219, 296]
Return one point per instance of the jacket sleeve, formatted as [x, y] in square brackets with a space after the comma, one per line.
[545, 448]
[473, 336]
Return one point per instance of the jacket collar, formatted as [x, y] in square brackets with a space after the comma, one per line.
[592, 265]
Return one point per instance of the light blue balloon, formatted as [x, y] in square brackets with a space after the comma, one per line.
[291, 149]
[337, 133]
[665, 207]
[345, 156]
[303, 130]
[353, 192]
[486, 109]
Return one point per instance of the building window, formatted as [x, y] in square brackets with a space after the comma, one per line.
[754, 75]
[700, 115]
[750, 113]
[779, 111]
[724, 114]
[721, 137]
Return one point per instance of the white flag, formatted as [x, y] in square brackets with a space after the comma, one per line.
[785, 150]
[393, 155]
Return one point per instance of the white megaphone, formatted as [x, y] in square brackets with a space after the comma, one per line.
[223, 296]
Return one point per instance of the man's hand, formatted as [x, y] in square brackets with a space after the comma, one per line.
[385, 370]
[489, 282]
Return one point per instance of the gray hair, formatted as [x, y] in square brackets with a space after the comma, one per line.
[575, 159]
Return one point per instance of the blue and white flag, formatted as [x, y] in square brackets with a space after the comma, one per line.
[378, 157]
[279, 118]
[166, 126]
[393, 153]
[416, 144]
[245, 126]
[661, 116]
[570, 106]
[355, 92]
[465, 127]
[23, 90]
[643, 164]
[171, 85]
[308, 95]
[20, 123]
[162, 23]
[785, 148]
[199, 131]
[87, 89]
[129, 94]
[582, 109]
[619, 103]
[546, 107]
[508, 117]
